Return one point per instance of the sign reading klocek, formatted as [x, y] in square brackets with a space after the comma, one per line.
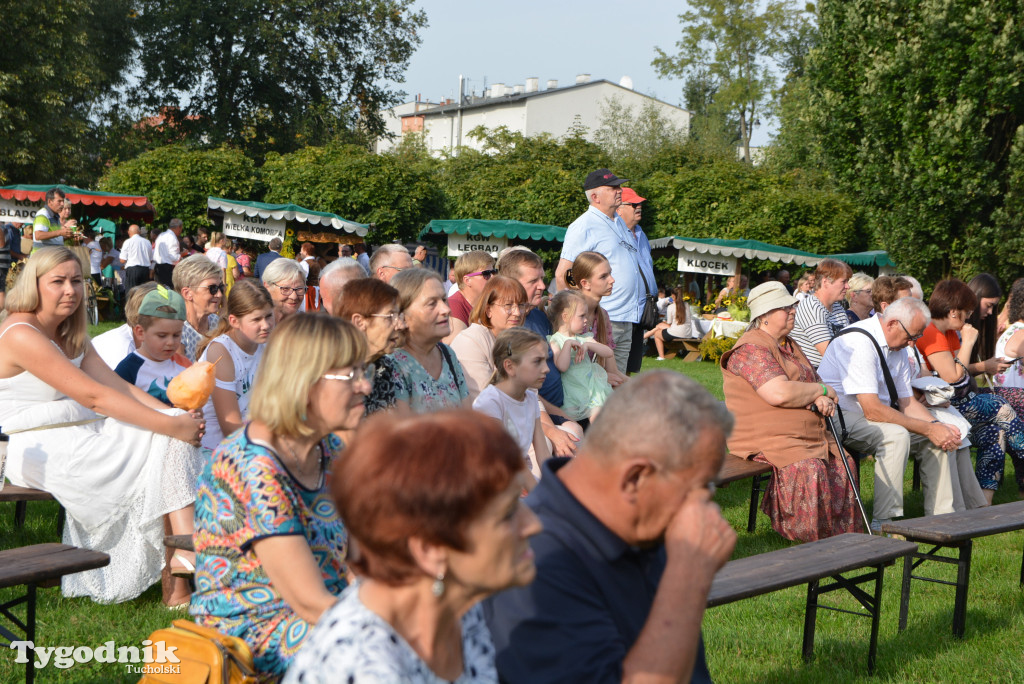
[460, 244]
[253, 227]
[695, 262]
[18, 211]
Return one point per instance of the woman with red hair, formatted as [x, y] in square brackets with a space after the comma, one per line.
[438, 530]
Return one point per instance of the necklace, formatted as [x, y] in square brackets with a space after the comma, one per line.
[298, 463]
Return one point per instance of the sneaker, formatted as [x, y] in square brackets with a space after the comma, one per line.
[876, 524]
[661, 358]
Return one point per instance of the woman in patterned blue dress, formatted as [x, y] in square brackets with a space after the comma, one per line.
[269, 544]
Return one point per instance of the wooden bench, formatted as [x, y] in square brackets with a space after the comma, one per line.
[809, 564]
[689, 349]
[735, 468]
[39, 565]
[182, 542]
[953, 531]
[21, 496]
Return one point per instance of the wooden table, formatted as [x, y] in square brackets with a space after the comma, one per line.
[953, 531]
[809, 564]
[39, 565]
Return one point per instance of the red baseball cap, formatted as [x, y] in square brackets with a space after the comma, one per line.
[629, 196]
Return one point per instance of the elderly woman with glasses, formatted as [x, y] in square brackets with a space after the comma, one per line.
[200, 282]
[502, 305]
[286, 282]
[372, 306]
[472, 271]
[780, 403]
[270, 547]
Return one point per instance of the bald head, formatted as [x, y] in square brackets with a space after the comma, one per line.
[133, 229]
[333, 278]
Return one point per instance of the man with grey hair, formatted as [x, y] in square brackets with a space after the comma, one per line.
[889, 426]
[915, 287]
[333, 278]
[263, 260]
[387, 260]
[167, 252]
[631, 542]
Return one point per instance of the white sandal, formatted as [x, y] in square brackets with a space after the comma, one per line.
[185, 568]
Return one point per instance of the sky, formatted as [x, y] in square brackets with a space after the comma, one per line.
[507, 42]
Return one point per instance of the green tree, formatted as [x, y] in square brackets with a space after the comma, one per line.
[177, 180]
[918, 107]
[275, 74]
[397, 192]
[61, 62]
[635, 137]
[728, 44]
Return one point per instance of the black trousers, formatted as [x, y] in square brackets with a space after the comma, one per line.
[135, 275]
[163, 275]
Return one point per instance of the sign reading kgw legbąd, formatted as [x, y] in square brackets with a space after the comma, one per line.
[460, 244]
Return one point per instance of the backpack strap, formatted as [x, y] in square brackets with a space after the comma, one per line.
[894, 400]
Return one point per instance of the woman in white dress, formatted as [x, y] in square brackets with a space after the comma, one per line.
[116, 458]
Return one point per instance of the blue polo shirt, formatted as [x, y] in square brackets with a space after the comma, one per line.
[626, 252]
[551, 390]
[578, 619]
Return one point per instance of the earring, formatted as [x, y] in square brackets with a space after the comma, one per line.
[437, 588]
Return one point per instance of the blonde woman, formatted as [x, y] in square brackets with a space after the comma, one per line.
[472, 271]
[200, 282]
[116, 458]
[859, 297]
[269, 544]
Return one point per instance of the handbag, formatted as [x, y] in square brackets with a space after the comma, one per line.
[650, 317]
[966, 387]
[206, 657]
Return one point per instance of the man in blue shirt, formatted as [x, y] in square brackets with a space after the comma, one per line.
[631, 542]
[263, 260]
[600, 229]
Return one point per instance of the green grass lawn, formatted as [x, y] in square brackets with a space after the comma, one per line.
[755, 640]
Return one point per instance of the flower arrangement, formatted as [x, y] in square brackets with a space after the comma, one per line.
[712, 348]
[738, 309]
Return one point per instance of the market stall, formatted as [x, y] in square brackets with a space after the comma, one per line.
[19, 204]
[717, 256]
[465, 235]
[264, 222]
[878, 259]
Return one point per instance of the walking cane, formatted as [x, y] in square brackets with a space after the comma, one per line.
[849, 474]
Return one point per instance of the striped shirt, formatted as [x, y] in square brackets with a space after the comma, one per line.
[816, 324]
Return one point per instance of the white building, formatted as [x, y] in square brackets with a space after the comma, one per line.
[521, 108]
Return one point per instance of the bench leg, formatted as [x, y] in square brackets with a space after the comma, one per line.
[19, 514]
[28, 626]
[905, 591]
[963, 578]
[755, 489]
[915, 482]
[62, 516]
[810, 618]
[876, 611]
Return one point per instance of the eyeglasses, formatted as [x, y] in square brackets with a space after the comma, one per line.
[288, 291]
[486, 275]
[393, 317]
[509, 308]
[214, 289]
[358, 373]
[912, 338]
[397, 268]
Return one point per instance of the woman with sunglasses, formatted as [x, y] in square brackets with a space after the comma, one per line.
[472, 271]
[286, 282]
[372, 306]
[200, 282]
[270, 547]
[502, 305]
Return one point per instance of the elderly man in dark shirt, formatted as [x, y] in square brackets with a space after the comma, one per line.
[630, 545]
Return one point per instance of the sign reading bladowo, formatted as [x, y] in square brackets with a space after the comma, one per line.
[253, 227]
[460, 244]
[18, 211]
[695, 262]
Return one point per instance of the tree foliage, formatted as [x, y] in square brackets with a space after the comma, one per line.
[918, 107]
[397, 192]
[636, 137]
[178, 180]
[275, 74]
[728, 44]
[62, 59]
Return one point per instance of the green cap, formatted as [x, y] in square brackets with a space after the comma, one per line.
[163, 303]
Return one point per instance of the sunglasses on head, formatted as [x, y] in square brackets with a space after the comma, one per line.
[486, 275]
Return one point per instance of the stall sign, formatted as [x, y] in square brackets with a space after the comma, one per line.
[18, 211]
[253, 227]
[460, 244]
[712, 264]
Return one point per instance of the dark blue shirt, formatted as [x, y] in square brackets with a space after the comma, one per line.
[551, 390]
[578, 619]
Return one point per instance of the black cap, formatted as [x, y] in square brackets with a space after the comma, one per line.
[596, 179]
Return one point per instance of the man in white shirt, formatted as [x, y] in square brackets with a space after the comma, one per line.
[136, 258]
[167, 252]
[888, 427]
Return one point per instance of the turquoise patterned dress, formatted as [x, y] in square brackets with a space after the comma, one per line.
[246, 494]
[585, 384]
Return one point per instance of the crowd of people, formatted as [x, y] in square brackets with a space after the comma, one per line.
[356, 485]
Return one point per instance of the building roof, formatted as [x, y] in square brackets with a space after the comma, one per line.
[481, 102]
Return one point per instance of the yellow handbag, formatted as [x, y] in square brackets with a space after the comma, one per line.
[207, 657]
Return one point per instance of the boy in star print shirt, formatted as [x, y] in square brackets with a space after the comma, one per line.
[156, 361]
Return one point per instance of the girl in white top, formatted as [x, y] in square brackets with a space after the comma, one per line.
[236, 346]
[677, 327]
[1010, 345]
[520, 363]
